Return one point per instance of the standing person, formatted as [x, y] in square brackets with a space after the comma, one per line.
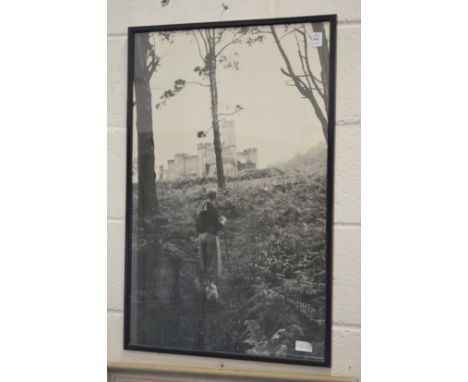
[209, 223]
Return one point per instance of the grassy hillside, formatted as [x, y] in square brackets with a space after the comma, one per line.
[274, 291]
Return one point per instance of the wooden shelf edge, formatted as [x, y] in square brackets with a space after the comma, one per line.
[181, 370]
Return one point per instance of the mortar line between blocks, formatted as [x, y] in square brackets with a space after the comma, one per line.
[348, 327]
[116, 220]
[347, 225]
[345, 23]
[351, 122]
[114, 127]
[115, 312]
[116, 35]
[349, 21]
[341, 23]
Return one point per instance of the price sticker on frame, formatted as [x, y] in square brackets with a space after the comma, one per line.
[303, 346]
[317, 39]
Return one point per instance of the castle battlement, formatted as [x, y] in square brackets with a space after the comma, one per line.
[248, 151]
[204, 145]
[204, 164]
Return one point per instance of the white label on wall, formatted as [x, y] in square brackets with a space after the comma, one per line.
[317, 39]
[304, 346]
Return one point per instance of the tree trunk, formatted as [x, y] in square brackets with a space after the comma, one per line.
[147, 198]
[211, 59]
[324, 57]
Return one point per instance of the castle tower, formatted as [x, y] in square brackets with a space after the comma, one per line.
[253, 156]
[179, 164]
[228, 133]
[203, 150]
[228, 139]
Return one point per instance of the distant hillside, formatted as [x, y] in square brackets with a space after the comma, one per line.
[312, 161]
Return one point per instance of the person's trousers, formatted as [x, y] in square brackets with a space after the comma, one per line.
[210, 257]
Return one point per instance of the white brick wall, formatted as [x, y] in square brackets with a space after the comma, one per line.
[346, 299]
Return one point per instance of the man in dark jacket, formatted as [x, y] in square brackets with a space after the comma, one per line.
[209, 225]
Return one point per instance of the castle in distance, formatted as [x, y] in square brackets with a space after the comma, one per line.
[204, 163]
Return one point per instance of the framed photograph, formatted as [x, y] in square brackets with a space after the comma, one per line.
[230, 150]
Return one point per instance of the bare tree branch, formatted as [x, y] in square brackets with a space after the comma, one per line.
[302, 62]
[238, 110]
[306, 58]
[220, 35]
[227, 114]
[299, 83]
[288, 33]
[301, 86]
[324, 57]
[197, 83]
[198, 46]
[152, 66]
[257, 31]
[233, 41]
[204, 41]
[208, 37]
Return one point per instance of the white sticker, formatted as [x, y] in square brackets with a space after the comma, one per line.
[304, 346]
[317, 39]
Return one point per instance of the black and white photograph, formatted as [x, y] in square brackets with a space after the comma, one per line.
[230, 152]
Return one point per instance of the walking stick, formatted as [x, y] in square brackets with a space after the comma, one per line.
[227, 250]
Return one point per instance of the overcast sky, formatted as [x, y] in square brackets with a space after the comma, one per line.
[275, 119]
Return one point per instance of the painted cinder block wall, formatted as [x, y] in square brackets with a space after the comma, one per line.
[346, 334]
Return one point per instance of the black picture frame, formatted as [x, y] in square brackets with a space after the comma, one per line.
[132, 31]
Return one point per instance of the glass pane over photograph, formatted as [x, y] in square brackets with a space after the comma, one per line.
[229, 172]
